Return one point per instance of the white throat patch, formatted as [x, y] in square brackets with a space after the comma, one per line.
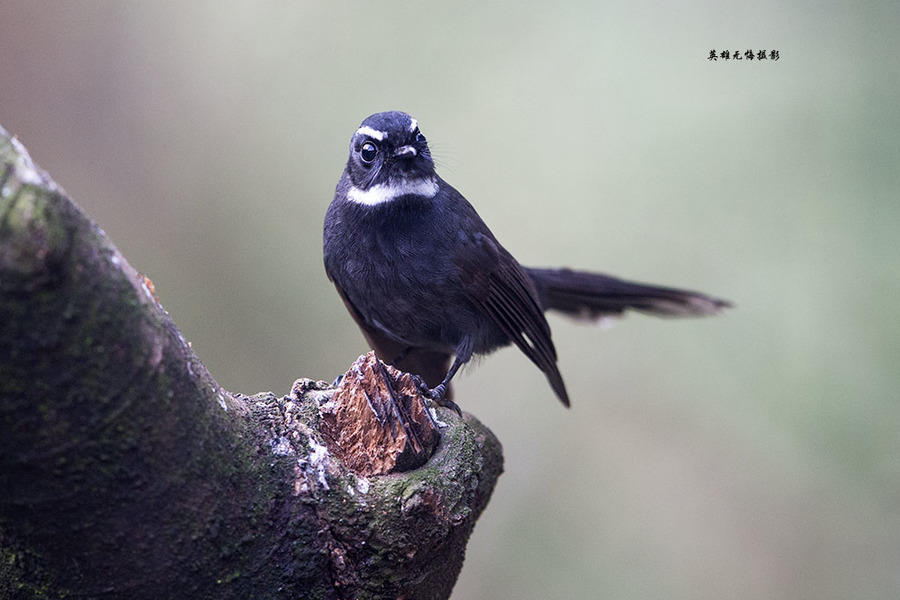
[379, 194]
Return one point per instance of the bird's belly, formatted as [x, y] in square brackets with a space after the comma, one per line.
[410, 306]
[419, 305]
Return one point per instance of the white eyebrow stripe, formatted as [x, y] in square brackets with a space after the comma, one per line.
[372, 133]
[379, 194]
[413, 124]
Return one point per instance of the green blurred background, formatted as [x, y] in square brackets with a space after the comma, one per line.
[754, 455]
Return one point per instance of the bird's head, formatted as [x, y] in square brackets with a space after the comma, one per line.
[389, 158]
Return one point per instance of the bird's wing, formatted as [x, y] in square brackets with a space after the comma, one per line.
[496, 283]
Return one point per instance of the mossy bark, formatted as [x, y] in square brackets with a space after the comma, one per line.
[127, 472]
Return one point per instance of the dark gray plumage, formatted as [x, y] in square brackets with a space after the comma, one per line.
[427, 281]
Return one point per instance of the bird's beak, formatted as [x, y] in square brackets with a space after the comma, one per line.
[405, 151]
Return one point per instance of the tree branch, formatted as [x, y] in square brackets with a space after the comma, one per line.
[127, 472]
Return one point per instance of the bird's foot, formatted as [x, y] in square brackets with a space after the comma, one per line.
[438, 394]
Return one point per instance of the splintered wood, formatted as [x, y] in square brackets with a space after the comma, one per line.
[377, 421]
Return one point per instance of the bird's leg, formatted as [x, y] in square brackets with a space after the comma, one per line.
[439, 392]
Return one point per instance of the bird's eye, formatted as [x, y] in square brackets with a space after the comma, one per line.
[368, 152]
[420, 137]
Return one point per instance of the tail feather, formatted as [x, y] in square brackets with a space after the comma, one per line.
[580, 294]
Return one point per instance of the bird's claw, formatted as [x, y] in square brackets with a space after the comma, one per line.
[448, 403]
[438, 394]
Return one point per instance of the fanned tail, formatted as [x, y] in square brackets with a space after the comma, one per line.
[580, 294]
